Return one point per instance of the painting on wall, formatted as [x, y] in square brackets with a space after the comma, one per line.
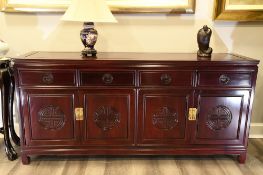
[238, 10]
[117, 6]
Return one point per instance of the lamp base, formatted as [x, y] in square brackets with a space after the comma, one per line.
[89, 36]
[89, 52]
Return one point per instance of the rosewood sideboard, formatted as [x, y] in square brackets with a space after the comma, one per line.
[134, 104]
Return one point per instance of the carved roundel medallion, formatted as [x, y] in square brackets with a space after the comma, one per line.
[219, 118]
[165, 119]
[51, 117]
[106, 117]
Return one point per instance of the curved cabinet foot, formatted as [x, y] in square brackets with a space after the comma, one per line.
[25, 159]
[242, 158]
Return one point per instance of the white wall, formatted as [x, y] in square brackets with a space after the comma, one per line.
[139, 33]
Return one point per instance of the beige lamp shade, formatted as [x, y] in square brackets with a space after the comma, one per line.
[89, 11]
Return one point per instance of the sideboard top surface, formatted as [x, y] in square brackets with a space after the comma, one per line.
[132, 58]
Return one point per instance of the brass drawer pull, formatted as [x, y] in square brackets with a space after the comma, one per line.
[107, 78]
[48, 78]
[224, 79]
[166, 79]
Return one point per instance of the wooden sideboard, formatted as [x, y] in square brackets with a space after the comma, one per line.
[134, 103]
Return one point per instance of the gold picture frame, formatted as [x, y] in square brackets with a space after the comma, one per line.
[238, 10]
[117, 6]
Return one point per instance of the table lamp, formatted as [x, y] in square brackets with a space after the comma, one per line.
[89, 11]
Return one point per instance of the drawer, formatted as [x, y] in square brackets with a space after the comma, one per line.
[166, 78]
[107, 78]
[47, 77]
[221, 78]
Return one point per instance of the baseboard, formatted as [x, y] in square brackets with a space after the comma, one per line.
[256, 130]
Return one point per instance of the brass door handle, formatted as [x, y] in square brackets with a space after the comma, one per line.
[192, 114]
[79, 114]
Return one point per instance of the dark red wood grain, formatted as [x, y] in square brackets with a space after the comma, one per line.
[157, 78]
[134, 103]
[59, 77]
[99, 78]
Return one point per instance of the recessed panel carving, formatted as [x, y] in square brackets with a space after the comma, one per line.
[106, 117]
[219, 118]
[51, 117]
[165, 119]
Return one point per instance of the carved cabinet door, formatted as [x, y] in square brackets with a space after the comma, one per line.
[109, 116]
[162, 117]
[48, 116]
[222, 116]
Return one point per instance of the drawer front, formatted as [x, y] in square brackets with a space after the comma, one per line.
[166, 78]
[225, 79]
[48, 77]
[104, 78]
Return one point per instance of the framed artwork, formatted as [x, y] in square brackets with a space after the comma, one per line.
[117, 6]
[238, 10]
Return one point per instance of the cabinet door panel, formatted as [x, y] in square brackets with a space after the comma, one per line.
[49, 117]
[162, 118]
[109, 117]
[221, 116]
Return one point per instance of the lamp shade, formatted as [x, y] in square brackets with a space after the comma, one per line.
[88, 11]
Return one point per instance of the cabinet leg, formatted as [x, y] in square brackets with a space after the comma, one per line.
[14, 136]
[242, 158]
[25, 159]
